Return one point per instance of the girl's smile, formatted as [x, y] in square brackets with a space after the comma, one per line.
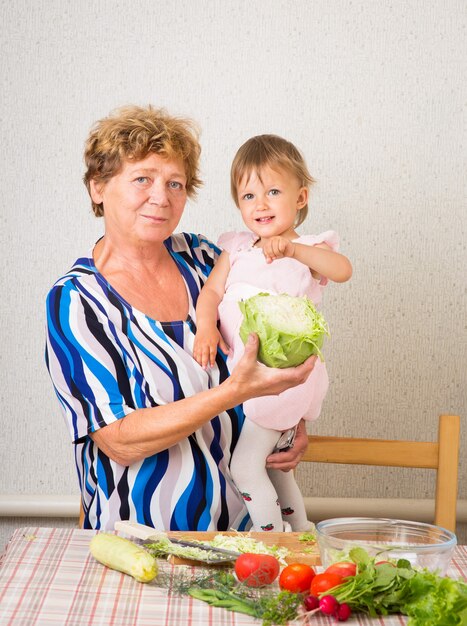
[269, 201]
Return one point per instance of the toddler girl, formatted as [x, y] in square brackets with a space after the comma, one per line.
[269, 183]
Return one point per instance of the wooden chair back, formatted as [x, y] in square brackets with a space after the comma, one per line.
[441, 455]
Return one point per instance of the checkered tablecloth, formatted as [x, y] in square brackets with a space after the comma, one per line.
[49, 578]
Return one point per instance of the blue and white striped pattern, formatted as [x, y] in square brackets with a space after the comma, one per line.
[107, 359]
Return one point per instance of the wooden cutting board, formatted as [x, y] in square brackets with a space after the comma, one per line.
[299, 551]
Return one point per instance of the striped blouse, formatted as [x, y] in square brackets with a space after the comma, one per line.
[107, 359]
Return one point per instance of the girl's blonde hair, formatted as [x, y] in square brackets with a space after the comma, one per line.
[275, 152]
[132, 133]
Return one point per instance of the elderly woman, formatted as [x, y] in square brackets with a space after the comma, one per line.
[153, 432]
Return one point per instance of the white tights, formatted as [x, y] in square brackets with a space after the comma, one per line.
[272, 497]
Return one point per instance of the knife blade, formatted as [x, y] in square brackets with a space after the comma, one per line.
[194, 544]
[213, 554]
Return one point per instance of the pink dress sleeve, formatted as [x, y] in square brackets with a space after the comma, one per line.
[227, 241]
[233, 242]
[329, 237]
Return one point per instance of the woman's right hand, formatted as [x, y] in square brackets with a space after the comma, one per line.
[252, 379]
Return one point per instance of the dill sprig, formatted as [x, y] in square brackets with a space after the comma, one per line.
[220, 588]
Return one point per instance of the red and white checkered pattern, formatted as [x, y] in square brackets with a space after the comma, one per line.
[49, 578]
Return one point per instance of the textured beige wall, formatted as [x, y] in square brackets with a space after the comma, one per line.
[371, 91]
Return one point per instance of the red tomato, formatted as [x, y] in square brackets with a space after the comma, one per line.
[256, 570]
[343, 568]
[325, 581]
[296, 577]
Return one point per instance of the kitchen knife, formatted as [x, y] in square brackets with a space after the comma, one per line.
[146, 533]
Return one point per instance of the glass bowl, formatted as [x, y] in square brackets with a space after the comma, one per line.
[424, 545]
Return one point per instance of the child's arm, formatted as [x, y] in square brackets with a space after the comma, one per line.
[208, 336]
[321, 260]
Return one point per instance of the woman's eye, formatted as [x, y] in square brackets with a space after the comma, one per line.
[174, 184]
[141, 180]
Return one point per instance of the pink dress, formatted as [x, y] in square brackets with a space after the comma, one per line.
[249, 275]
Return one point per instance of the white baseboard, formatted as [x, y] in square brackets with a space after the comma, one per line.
[46, 505]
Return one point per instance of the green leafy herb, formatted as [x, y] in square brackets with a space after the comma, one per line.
[388, 588]
[280, 608]
[434, 601]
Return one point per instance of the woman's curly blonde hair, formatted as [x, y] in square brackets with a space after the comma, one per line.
[131, 133]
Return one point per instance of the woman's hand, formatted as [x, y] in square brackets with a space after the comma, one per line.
[144, 432]
[290, 458]
[251, 379]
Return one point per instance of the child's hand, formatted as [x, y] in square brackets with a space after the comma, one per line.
[205, 346]
[277, 248]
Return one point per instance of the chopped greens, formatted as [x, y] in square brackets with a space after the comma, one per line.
[164, 547]
[248, 544]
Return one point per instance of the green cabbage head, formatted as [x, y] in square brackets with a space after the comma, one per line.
[290, 329]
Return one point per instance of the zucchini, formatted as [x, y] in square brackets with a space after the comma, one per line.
[124, 556]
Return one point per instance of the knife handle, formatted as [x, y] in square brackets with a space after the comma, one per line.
[139, 530]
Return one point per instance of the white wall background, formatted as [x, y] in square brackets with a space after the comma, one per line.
[373, 94]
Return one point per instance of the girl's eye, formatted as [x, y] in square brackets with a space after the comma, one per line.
[274, 192]
[248, 196]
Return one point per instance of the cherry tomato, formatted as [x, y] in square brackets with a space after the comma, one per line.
[296, 577]
[343, 568]
[256, 570]
[324, 581]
